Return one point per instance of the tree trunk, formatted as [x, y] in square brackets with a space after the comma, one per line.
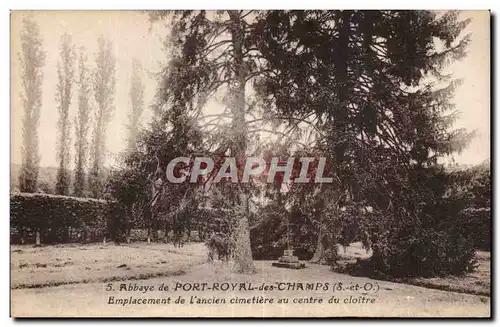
[150, 229]
[320, 250]
[319, 209]
[37, 238]
[166, 231]
[128, 224]
[243, 262]
[21, 232]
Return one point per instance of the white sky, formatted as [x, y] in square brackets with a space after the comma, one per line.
[130, 32]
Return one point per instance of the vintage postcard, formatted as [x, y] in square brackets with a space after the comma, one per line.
[250, 163]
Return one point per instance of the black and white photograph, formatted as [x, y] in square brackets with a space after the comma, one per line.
[250, 164]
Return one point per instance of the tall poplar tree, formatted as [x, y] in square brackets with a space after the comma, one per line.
[104, 83]
[64, 92]
[137, 101]
[32, 60]
[82, 123]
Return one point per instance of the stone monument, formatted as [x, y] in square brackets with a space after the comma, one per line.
[288, 260]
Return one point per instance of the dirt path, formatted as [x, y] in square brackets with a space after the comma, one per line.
[86, 300]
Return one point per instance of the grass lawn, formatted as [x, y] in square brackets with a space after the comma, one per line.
[33, 267]
[390, 299]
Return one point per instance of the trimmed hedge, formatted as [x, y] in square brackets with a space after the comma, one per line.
[63, 218]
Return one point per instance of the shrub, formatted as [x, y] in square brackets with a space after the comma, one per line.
[60, 218]
[426, 228]
[428, 252]
[473, 187]
[478, 221]
[434, 242]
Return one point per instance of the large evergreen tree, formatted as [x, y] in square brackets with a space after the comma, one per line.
[211, 56]
[363, 88]
[372, 81]
[370, 78]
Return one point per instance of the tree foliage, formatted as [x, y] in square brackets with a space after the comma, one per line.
[136, 100]
[210, 58]
[372, 84]
[32, 59]
[131, 181]
[365, 89]
[472, 188]
[104, 82]
[65, 74]
[82, 123]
